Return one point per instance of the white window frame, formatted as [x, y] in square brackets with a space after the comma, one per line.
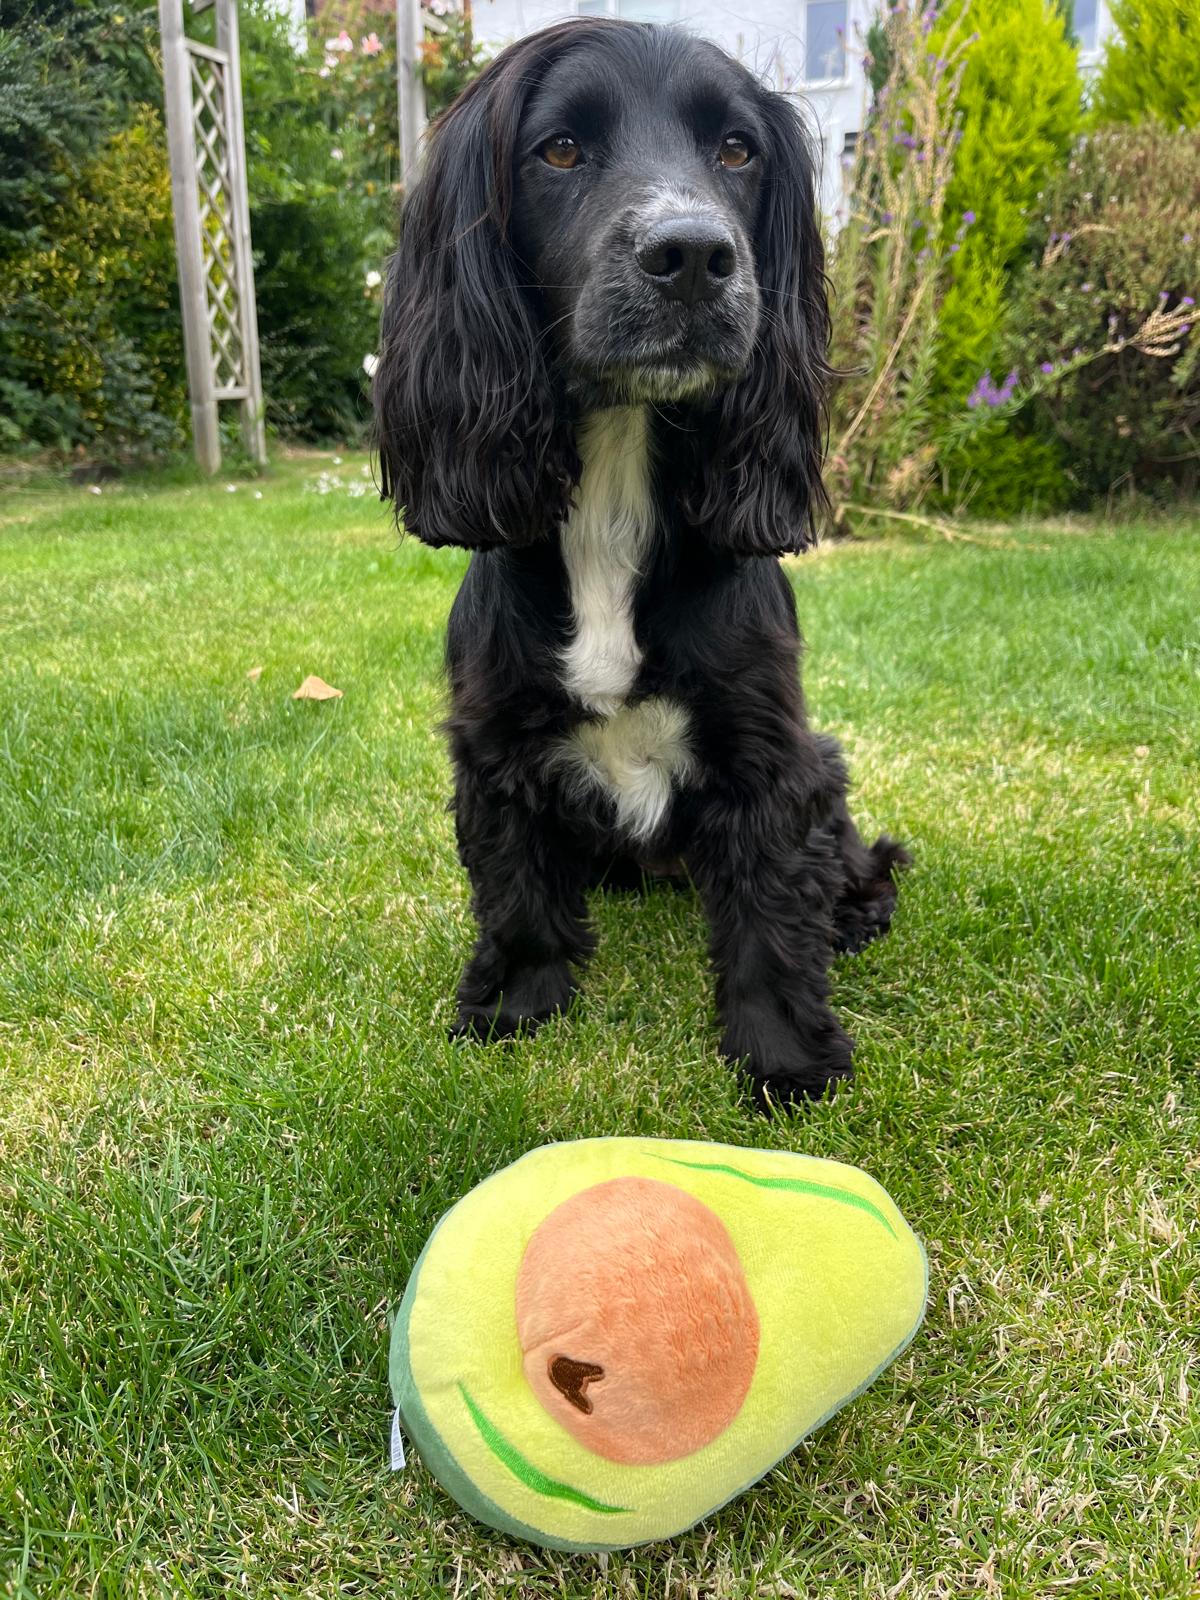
[1090, 55]
[835, 82]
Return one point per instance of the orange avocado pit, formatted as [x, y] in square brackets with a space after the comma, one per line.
[637, 1328]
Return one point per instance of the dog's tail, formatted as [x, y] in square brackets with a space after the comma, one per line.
[868, 895]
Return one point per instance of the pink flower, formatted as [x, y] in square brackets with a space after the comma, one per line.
[343, 42]
[372, 45]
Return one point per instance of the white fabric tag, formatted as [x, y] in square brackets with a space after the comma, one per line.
[397, 1442]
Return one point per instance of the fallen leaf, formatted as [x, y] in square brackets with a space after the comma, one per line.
[314, 688]
[254, 674]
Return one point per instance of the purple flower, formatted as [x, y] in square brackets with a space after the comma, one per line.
[985, 392]
[1187, 328]
[1085, 288]
[1047, 366]
[1187, 238]
[887, 217]
[968, 218]
[1188, 300]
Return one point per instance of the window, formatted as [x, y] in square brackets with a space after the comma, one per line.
[1084, 22]
[591, 8]
[825, 40]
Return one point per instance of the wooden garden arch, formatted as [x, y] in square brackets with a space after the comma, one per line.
[206, 141]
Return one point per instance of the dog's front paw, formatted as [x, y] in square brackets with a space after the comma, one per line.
[528, 997]
[785, 1063]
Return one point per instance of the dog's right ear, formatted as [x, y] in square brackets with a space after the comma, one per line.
[473, 448]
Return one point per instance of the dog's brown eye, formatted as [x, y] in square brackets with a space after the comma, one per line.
[735, 151]
[561, 151]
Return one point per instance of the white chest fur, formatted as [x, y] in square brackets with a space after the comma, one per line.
[634, 752]
[604, 545]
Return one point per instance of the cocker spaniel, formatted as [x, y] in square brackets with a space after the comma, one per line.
[602, 370]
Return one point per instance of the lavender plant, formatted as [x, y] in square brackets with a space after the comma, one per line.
[890, 271]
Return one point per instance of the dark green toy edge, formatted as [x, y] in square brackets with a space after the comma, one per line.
[439, 1460]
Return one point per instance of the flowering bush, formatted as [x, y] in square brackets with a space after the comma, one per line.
[890, 271]
[975, 101]
[1103, 322]
[1020, 110]
[324, 179]
[321, 149]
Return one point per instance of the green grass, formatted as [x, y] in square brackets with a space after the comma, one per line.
[230, 925]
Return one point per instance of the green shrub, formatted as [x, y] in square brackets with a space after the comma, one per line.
[1020, 108]
[89, 337]
[1151, 66]
[1119, 244]
[91, 318]
[90, 341]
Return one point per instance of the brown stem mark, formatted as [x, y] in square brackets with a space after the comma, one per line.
[571, 1379]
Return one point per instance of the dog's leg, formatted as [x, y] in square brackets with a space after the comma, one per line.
[868, 897]
[528, 881]
[770, 888]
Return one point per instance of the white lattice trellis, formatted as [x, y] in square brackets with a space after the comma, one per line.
[212, 226]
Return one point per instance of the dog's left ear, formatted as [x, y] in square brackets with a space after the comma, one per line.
[759, 470]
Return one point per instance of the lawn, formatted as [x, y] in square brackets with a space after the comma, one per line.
[230, 924]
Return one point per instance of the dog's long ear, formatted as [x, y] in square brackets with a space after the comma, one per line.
[758, 486]
[472, 448]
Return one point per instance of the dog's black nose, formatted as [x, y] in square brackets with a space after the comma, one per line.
[689, 258]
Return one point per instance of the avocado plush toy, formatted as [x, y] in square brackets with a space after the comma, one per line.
[609, 1339]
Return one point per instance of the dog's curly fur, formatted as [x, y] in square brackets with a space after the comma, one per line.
[627, 449]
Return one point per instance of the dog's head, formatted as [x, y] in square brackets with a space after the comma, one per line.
[610, 213]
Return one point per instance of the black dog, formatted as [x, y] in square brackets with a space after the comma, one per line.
[603, 370]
